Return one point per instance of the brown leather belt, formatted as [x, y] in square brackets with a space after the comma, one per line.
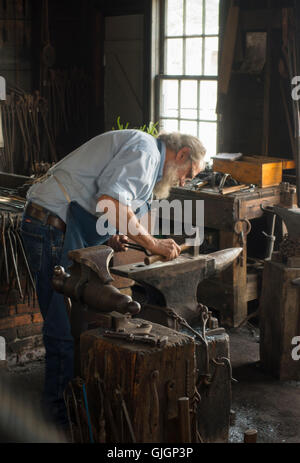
[40, 213]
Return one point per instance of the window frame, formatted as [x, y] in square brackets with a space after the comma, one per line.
[161, 76]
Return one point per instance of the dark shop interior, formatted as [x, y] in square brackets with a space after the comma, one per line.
[149, 222]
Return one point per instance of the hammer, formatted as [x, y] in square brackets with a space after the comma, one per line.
[155, 258]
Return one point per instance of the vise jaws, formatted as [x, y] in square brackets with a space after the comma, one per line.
[88, 285]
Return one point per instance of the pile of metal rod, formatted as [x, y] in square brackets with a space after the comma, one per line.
[14, 268]
[26, 132]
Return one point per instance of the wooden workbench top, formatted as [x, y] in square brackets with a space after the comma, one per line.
[223, 211]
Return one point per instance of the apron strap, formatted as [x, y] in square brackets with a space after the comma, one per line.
[65, 193]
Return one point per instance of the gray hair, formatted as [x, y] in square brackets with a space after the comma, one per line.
[175, 141]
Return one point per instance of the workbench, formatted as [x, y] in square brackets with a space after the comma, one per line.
[229, 293]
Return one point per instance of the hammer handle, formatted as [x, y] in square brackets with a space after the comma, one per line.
[152, 259]
[232, 189]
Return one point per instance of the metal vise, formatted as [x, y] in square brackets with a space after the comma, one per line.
[174, 284]
[89, 287]
[89, 282]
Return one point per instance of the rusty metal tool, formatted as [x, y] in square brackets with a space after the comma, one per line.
[201, 185]
[137, 247]
[4, 247]
[232, 189]
[119, 394]
[223, 181]
[102, 422]
[144, 339]
[184, 419]
[13, 256]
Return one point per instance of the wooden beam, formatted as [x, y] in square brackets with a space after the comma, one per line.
[228, 48]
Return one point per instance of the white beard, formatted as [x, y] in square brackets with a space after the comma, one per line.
[169, 180]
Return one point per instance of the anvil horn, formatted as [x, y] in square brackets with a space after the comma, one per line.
[225, 258]
[291, 218]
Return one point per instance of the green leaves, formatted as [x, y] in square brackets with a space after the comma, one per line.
[151, 128]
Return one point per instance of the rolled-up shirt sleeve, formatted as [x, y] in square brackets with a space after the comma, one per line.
[130, 176]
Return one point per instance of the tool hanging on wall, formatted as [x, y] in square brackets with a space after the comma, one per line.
[26, 130]
[68, 99]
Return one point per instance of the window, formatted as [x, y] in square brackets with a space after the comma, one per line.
[189, 69]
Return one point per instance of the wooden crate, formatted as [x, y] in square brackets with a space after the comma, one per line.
[257, 170]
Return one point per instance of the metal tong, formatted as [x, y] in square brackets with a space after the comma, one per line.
[138, 247]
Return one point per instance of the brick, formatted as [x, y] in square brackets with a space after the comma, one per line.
[18, 320]
[37, 318]
[35, 309]
[9, 334]
[9, 297]
[23, 308]
[7, 310]
[22, 320]
[29, 330]
[12, 310]
[6, 323]
[4, 311]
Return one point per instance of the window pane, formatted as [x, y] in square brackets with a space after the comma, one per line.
[189, 127]
[170, 98]
[208, 136]
[169, 125]
[194, 17]
[174, 56]
[188, 104]
[193, 57]
[174, 17]
[208, 100]
[212, 17]
[211, 56]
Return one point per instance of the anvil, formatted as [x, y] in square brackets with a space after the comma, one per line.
[173, 284]
[291, 218]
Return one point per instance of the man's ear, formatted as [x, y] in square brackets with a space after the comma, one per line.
[183, 155]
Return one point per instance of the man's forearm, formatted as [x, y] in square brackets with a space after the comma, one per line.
[123, 219]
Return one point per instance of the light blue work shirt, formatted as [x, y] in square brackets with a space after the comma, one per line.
[124, 164]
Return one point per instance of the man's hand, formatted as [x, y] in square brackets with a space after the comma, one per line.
[167, 248]
[117, 242]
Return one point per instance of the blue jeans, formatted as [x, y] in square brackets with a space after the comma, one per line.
[43, 245]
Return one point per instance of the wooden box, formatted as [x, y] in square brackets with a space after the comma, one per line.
[257, 170]
[151, 380]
